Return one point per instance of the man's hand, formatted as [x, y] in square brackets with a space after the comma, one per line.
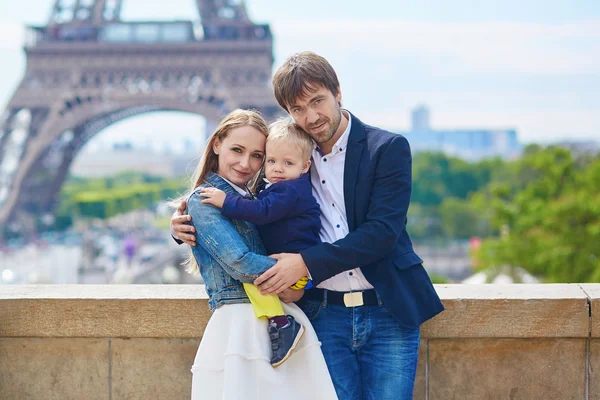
[291, 295]
[213, 196]
[179, 228]
[288, 270]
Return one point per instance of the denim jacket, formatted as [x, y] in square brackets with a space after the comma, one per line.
[228, 252]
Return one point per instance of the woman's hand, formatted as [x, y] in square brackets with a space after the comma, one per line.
[291, 295]
[213, 196]
[179, 229]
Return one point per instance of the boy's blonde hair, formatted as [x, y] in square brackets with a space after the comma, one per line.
[285, 130]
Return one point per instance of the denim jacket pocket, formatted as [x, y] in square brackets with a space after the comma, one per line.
[222, 280]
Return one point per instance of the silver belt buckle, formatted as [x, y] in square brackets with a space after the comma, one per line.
[353, 299]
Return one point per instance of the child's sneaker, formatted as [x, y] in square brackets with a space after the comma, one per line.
[284, 340]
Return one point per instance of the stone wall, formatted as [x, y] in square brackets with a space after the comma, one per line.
[512, 342]
[139, 341]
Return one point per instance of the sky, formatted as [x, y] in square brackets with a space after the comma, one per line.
[531, 65]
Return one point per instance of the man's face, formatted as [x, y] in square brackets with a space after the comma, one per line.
[318, 113]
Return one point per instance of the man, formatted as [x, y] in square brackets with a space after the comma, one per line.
[372, 292]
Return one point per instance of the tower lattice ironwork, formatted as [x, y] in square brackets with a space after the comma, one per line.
[87, 69]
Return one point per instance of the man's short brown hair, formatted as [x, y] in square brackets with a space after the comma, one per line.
[299, 75]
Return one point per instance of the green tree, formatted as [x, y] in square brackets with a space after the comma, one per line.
[441, 186]
[550, 216]
[105, 197]
[460, 220]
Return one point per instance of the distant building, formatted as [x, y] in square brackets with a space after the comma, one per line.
[189, 145]
[122, 146]
[420, 119]
[122, 158]
[469, 144]
[106, 163]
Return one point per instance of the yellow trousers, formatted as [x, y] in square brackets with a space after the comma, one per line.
[263, 306]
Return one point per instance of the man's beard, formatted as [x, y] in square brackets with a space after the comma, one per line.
[334, 127]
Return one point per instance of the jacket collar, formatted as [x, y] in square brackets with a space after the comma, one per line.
[357, 129]
[354, 152]
[217, 182]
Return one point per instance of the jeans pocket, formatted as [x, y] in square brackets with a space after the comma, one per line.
[311, 308]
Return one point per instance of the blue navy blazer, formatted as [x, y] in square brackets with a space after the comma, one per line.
[377, 187]
[286, 214]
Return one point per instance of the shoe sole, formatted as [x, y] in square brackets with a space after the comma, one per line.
[289, 353]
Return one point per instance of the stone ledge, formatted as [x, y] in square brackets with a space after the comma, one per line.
[592, 290]
[103, 292]
[181, 311]
[138, 341]
[510, 311]
[151, 311]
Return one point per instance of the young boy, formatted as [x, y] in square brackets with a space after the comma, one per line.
[288, 221]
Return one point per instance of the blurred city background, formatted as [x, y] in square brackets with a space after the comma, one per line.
[107, 103]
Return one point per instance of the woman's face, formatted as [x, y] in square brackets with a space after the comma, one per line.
[241, 154]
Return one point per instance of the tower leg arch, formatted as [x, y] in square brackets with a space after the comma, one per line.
[35, 185]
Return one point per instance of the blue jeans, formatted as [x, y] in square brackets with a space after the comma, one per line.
[369, 356]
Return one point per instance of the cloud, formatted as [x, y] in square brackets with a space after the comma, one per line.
[491, 47]
[530, 74]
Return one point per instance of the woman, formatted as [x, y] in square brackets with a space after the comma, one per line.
[233, 360]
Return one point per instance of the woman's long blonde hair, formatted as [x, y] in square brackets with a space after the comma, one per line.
[210, 161]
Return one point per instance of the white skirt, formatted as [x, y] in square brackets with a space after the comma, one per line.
[233, 360]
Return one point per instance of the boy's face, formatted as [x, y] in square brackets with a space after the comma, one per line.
[284, 161]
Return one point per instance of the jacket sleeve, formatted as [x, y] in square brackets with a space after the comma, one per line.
[217, 235]
[375, 238]
[278, 203]
[177, 240]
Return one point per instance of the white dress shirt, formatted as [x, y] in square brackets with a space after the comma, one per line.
[235, 187]
[327, 176]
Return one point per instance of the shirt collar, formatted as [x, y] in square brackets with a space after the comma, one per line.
[342, 141]
[268, 184]
[238, 189]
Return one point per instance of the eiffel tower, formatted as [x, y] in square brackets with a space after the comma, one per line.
[87, 69]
